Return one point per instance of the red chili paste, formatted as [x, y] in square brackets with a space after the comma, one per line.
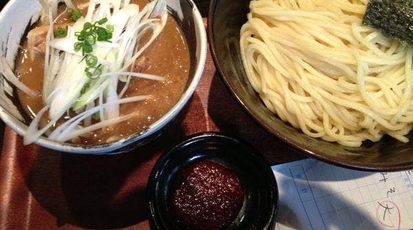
[207, 196]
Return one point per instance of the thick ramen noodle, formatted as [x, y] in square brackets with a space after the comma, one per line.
[316, 66]
[167, 57]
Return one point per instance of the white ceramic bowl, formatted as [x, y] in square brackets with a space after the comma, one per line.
[17, 15]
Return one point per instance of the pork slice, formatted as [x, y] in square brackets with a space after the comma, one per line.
[36, 41]
[142, 64]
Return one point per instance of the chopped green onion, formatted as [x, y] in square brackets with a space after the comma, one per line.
[91, 33]
[91, 60]
[85, 87]
[110, 28]
[93, 72]
[90, 40]
[102, 21]
[103, 34]
[60, 32]
[87, 37]
[87, 47]
[75, 14]
[78, 46]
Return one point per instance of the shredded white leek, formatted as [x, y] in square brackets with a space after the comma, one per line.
[66, 84]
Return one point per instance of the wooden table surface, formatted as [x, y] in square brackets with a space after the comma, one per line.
[44, 189]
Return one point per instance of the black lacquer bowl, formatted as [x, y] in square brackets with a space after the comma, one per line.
[225, 19]
[257, 179]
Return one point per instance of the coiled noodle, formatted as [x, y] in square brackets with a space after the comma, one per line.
[316, 66]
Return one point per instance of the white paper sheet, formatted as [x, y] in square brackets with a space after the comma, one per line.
[316, 195]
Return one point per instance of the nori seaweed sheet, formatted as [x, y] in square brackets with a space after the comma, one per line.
[394, 18]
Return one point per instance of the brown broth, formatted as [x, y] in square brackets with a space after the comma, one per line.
[172, 65]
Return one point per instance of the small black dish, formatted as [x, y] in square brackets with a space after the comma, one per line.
[257, 179]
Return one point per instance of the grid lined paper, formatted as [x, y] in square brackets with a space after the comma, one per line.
[316, 195]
